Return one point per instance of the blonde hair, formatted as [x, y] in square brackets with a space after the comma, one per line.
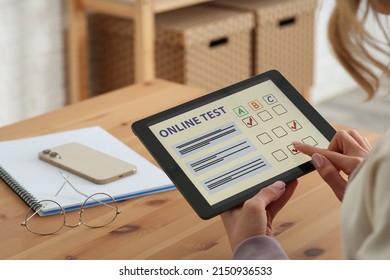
[352, 44]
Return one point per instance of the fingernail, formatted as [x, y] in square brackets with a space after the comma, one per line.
[296, 143]
[317, 160]
[279, 185]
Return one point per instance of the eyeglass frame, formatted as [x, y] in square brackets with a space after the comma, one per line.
[63, 212]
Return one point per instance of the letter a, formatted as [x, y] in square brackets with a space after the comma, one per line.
[240, 111]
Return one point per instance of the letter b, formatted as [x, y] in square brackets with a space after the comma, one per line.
[255, 105]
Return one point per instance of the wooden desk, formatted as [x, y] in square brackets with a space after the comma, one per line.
[159, 226]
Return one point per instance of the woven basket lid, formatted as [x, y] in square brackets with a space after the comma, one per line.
[271, 10]
[200, 24]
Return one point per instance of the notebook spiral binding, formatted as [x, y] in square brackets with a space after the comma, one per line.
[26, 196]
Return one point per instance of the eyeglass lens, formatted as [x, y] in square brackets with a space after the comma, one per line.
[44, 225]
[103, 212]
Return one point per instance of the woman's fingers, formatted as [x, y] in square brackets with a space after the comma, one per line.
[341, 162]
[362, 141]
[349, 143]
[330, 174]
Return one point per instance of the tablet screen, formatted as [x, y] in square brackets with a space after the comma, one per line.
[231, 144]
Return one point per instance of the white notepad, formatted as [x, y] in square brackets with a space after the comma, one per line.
[34, 180]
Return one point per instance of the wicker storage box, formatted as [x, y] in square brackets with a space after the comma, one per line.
[284, 37]
[202, 46]
[111, 53]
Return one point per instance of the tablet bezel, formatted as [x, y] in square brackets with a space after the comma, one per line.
[179, 178]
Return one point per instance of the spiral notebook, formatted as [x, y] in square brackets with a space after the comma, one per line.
[34, 180]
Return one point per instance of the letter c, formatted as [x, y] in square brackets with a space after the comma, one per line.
[270, 98]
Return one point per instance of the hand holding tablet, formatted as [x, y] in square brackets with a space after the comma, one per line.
[221, 149]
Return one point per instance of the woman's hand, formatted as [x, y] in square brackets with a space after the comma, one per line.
[345, 152]
[255, 216]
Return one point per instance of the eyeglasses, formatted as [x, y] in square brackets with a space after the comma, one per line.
[104, 212]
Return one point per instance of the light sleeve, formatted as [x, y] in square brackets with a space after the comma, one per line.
[259, 248]
[377, 244]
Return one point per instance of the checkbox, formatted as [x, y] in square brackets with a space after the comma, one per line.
[264, 138]
[279, 132]
[279, 109]
[249, 122]
[292, 149]
[279, 155]
[310, 140]
[264, 115]
[294, 125]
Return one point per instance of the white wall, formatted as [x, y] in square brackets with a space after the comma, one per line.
[330, 79]
[32, 79]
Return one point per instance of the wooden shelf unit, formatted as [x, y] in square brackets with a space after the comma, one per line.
[141, 11]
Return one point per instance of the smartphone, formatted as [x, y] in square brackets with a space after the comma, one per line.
[88, 163]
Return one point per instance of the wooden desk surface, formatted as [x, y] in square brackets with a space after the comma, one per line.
[159, 226]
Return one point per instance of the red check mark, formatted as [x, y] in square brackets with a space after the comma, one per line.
[250, 122]
[295, 150]
[294, 125]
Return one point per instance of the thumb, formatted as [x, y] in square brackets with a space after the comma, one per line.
[271, 193]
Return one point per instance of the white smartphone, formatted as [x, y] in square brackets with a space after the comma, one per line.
[87, 163]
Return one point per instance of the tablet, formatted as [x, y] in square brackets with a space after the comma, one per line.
[222, 148]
